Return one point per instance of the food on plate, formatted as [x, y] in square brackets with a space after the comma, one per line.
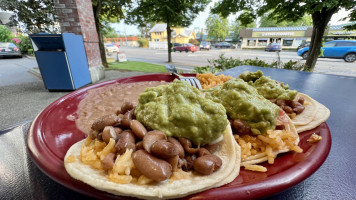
[314, 138]
[137, 151]
[106, 100]
[210, 80]
[305, 112]
[261, 128]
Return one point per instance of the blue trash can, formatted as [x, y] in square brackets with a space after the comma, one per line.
[62, 60]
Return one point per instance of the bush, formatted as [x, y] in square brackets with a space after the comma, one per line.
[143, 42]
[194, 41]
[23, 43]
[5, 34]
[223, 63]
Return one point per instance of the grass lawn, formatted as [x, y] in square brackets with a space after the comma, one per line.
[137, 66]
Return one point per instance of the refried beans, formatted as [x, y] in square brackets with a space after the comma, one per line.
[108, 100]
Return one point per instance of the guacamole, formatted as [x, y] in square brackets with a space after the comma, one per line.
[180, 110]
[267, 87]
[242, 101]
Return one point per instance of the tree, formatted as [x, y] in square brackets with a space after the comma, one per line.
[236, 27]
[5, 34]
[32, 16]
[109, 32]
[218, 27]
[145, 28]
[265, 21]
[106, 11]
[320, 11]
[179, 13]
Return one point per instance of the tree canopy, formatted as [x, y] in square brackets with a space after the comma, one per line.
[179, 13]
[32, 16]
[281, 10]
[218, 27]
[265, 21]
[5, 34]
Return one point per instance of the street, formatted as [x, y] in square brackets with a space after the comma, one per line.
[17, 70]
[187, 61]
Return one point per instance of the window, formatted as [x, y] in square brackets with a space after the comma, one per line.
[287, 42]
[262, 42]
[331, 44]
[251, 42]
[156, 40]
[345, 44]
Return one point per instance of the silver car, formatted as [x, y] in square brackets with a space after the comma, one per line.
[8, 49]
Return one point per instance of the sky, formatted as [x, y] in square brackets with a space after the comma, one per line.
[201, 18]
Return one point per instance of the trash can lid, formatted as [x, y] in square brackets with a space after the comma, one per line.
[47, 42]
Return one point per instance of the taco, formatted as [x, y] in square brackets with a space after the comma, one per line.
[305, 112]
[163, 110]
[261, 128]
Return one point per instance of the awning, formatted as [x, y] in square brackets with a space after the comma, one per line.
[251, 39]
[287, 38]
[263, 39]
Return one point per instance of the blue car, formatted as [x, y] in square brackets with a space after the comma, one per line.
[273, 47]
[344, 49]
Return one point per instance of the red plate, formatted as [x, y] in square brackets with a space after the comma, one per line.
[51, 135]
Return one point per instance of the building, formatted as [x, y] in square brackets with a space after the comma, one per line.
[289, 37]
[179, 35]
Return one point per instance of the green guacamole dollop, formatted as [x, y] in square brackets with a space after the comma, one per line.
[242, 101]
[267, 87]
[180, 110]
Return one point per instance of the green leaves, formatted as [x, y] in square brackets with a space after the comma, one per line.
[218, 27]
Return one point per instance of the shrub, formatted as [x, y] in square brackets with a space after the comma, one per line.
[5, 34]
[143, 42]
[194, 41]
[23, 43]
[222, 63]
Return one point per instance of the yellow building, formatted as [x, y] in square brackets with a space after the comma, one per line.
[179, 35]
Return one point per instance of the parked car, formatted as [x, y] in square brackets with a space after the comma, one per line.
[344, 49]
[205, 45]
[224, 45]
[185, 47]
[273, 47]
[111, 48]
[304, 44]
[177, 44]
[8, 49]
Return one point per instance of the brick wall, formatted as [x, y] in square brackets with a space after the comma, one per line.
[76, 16]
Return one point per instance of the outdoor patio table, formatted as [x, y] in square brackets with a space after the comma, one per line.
[20, 178]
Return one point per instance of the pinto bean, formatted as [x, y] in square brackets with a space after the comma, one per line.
[212, 147]
[126, 106]
[106, 120]
[241, 126]
[281, 102]
[117, 131]
[139, 145]
[203, 152]
[187, 145]
[288, 109]
[178, 145]
[295, 104]
[109, 132]
[125, 141]
[93, 134]
[301, 100]
[174, 162]
[126, 121]
[299, 109]
[207, 164]
[164, 149]
[150, 166]
[138, 129]
[189, 160]
[108, 161]
[151, 137]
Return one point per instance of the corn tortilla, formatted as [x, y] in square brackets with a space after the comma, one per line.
[322, 114]
[229, 153]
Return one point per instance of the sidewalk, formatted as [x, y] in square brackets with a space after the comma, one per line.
[24, 102]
